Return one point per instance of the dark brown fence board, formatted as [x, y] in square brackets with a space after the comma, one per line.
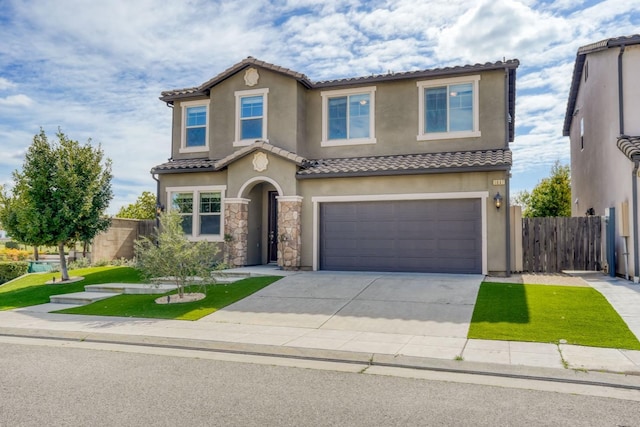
[550, 245]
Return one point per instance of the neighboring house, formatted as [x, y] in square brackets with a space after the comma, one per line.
[602, 121]
[391, 172]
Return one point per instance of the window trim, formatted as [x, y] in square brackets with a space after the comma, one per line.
[238, 142]
[196, 190]
[183, 131]
[424, 84]
[368, 90]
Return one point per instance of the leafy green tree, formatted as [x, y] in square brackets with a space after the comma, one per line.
[60, 196]
[551, 197]
[172, 256]
[143, 208]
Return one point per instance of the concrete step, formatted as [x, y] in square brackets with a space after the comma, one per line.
[222, 277]
[81, 298]
[131, 288]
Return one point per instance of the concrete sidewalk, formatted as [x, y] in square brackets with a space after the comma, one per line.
[344, 337]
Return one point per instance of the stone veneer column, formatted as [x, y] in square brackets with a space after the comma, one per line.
[236, 224]
[289, 239]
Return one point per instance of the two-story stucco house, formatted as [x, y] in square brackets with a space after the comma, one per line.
[603, 124]
[392, 172]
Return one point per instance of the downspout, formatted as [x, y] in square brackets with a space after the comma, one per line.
[158, 204]
[507, 175]
[634, 177]
[620, 91]
[634, 186]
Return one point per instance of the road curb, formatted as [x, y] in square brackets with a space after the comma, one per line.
[629, 381]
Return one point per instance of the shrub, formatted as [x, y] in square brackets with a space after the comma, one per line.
[11, 270]
[79, 263]
[11, 245]
[13, 255]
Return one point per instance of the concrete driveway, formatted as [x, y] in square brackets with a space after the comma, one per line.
[396, 303]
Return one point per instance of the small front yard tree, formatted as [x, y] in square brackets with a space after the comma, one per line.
[60, 196]
[172, 256]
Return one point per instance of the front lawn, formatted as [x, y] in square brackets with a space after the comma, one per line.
[217, 297]
[31, 289]
[543, 313]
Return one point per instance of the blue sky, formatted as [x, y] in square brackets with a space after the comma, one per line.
[96, 68]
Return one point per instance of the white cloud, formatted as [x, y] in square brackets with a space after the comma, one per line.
[98, 72]
[499, 28]
[6, 84]
[16, 101]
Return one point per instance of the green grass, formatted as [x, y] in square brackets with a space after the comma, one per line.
[217, 297]
[542, 313]
[31, 289]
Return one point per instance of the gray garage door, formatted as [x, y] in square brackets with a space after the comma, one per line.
[431, 236]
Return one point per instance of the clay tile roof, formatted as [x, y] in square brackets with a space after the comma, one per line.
[260, 145]
[170, 95]
[510, 64]
[408, 163]
[185, 165]
[629, 145]
[202, 90]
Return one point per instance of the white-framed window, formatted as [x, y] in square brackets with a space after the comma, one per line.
[201, 209]
[195, 126]
[251, 116]
[448, 108]
[348, 116]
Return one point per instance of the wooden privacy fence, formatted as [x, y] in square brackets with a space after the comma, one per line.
[550, 245]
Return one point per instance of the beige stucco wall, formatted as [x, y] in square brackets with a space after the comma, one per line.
[432, 183]
[295, 118]
[280, 170]
[396, 124]
[283, 121]
[601, 174]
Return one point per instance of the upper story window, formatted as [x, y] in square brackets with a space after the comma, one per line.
[195, 132]
[201, 210]
[348, 116]
[448, 108]
[251, 116]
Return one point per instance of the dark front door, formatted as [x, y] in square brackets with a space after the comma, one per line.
[272, 247]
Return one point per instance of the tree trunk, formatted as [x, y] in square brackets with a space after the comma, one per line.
[63, 263]
[36, 255]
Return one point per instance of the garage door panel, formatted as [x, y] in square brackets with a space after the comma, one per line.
[415, 235]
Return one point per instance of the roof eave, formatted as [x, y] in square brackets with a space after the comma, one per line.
[181, 96]
[420, 171]
[182, 170]
[439, 72]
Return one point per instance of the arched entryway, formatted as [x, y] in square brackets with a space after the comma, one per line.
[263, 225]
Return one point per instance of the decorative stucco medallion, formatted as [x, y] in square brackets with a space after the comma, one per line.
[251, 77]
[260, 162]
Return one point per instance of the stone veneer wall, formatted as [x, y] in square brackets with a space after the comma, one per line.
[289, 239]
[236, 222]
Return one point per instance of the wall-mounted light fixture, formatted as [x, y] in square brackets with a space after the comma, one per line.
[159, 208]
[498, 200]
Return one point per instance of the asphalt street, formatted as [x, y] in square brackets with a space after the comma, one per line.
[55, 383]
